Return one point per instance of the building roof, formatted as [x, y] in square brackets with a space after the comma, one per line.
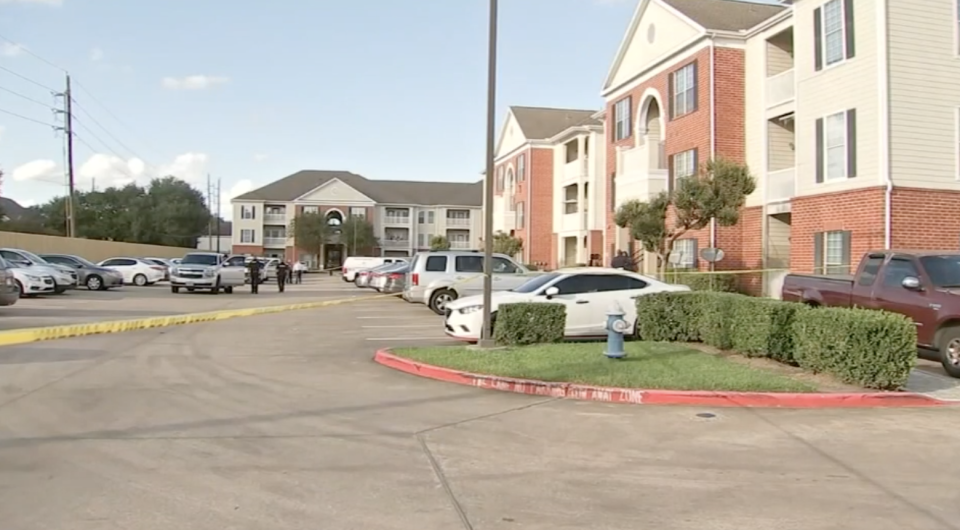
[725, 15]
[381, 191]
[14, 211]
[541, 123]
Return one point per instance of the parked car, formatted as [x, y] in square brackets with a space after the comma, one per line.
[64, 277]
[922, 285]
[395, 281]
[587, 293]
[30, 281]
[9, 291]
[354, 264]
[378, 280]
[362, 277]
[89, 274]
[208, 271]
[438, 278]
[137, 271]
[163, 262]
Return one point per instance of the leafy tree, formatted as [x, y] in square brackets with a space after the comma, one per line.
[357, 235]
[718, 192]
[504, 243]
[311, 232]
[439, 242]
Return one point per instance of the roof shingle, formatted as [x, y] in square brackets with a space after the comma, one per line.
[541, 123]
[726, 15]
[381, 191]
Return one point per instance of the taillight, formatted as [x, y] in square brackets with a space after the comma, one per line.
[344, 271]
[157, 268]
[395, 276]
[414, 279]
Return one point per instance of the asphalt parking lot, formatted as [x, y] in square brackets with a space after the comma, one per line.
[283, 421]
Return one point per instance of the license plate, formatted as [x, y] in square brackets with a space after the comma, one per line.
[189, 283]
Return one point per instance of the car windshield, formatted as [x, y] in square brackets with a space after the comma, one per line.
[200, 259]
[535, 283]
[33, 257]
[82, 261]
[944, 271]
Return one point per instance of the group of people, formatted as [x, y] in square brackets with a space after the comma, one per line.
[623, 260]
[286, 273]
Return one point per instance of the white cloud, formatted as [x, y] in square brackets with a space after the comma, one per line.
[193, 82]
[96, 55]
[105, 171]
[43, 170]
[260, 157]
[11, 49]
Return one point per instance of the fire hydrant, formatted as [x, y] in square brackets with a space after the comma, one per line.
[616, 327]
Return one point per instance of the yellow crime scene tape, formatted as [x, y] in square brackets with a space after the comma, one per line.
[29, 335]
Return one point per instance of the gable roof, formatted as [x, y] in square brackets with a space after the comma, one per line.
[542, 123]
[381, 191]
[725, 15]
[14, 211]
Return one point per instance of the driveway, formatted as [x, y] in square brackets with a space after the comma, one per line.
[283, 421]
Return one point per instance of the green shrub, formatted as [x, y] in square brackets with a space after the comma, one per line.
[669, 317]
[716, 321]
[764, 328]
[872, 349]
[530, 323]
[719, 282]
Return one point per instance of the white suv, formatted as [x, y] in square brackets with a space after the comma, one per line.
[438, 278]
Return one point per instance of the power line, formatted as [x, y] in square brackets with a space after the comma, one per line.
[116, 118]
[27, 51]
[27, 79]
[105, 130]
[25, 97]
[22, 117]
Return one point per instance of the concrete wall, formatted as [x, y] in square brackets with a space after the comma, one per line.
[92, 249]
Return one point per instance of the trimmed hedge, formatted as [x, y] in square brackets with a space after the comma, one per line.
[873, 349]
[719, 282]
[530, 323]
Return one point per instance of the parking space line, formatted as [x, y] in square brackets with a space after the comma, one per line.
[398, 327]
[393, 316]
[432, 337]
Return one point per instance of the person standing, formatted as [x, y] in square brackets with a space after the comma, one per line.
[283, 272]
[298, 269]
[253, 268]
[619, 261]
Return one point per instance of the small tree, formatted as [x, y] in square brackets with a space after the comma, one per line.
[357, 234]
[311, 232]
[439, 242]
[718, 192]
[504, 243]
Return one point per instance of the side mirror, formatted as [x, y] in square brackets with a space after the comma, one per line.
[912, 283]
[551, 292]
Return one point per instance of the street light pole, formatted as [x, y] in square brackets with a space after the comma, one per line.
[486, 338]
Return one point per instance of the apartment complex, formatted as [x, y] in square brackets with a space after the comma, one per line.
[845, 111]
[405, 215]
[547, 182]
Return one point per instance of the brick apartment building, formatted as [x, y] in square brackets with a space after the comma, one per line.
[845, 110]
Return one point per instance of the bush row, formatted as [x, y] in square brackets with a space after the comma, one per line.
[530, 323]
[872, 349]
[725, 283]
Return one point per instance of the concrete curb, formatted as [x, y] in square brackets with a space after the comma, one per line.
[657, 397]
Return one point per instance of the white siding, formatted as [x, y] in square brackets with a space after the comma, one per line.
[239, 223]
[924, 95]
[511, 137]
[335, 191]
[847, 85]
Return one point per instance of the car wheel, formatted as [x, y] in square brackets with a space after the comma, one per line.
[228, 289]
[440, 299]
[216, 288]
[174, 290]
[20, 290]
[59, 290]
[950, 351]
[94, 283]
[140, 280]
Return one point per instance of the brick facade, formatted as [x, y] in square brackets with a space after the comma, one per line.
[692, 131]
[535, 191]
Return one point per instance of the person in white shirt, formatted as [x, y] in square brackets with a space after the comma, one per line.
[298, 269]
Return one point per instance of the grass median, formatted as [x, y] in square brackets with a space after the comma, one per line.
[648, 365]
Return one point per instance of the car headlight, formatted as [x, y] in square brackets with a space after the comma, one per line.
[209, 273]
[174, 271]
[470, 309]
[33, 278]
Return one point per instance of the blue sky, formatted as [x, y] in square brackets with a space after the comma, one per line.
[387, 89]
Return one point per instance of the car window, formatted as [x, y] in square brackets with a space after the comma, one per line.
[111, 263]
[504, 266]
[943, 271]
[60, 260]
[436, 264]
[236, 261]
[12, 256]
[618, 282]
[469, 264]
[870, 269]
[578, 284]
[535, 283]
[898, 269]
[126, 262]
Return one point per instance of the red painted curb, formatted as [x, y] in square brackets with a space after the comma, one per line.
[657, 397]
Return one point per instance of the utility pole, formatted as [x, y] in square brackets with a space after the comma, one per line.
[210, 209]
[218, 215]
[70, 203]
[486, 336]
[93, 184]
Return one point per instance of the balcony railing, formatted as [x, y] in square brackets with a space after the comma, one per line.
[781, 185]
[395, 220]
[458, 221]
[395, 243]
[275, 242]
[279, 218]
[780, 89]
[574, 170]
[460, 245]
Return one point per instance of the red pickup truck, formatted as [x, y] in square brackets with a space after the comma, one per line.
[922, 285]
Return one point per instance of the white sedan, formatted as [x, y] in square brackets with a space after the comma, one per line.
[587, 293]
[135, 270]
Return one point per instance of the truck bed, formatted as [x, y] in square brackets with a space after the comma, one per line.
[827, 290]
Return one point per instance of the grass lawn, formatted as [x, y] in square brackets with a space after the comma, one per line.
[648, 365]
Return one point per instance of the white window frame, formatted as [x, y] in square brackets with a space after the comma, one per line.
[275, 233]
[520, 216]
[311, 209]
[842, 148]
[420, 240]
[684, 164]
[687, 248]
[841, 32]
[621, 116]
[684, 101]
[248, 235]
[358, 211]
[521, 167]
[248, 211]
[833, 243]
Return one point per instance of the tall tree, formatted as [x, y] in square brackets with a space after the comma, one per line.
[504, 243]
[357, 235]
[718, 192]
[439, 242]
[311, 232]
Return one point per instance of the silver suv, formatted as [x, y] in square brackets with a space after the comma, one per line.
[437, 278]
